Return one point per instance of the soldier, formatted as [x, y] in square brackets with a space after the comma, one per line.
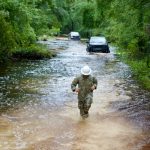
[84, 86]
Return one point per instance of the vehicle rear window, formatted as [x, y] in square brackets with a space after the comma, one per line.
[97, 40]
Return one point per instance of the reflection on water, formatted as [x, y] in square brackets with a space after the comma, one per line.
[39, 111]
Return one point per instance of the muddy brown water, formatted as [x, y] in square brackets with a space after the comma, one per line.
[39, 111]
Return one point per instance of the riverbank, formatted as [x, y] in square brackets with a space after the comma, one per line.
[36, 51]
[33, 52]
[139, 108]
[139, 67]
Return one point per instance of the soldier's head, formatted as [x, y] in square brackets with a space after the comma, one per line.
[86, 71]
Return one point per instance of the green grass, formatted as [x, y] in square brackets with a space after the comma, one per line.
[33, 52]
[141, 72]
[139, 67]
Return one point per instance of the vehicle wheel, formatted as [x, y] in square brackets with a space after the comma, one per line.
[108, 51]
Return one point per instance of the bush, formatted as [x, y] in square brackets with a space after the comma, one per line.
[141, 72]
[33, 52]
[7, 42]
[139, 67]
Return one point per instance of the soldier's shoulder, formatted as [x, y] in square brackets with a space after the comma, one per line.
[77, 77]
[93, 78]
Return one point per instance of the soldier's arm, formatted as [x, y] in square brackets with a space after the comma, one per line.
[74, 84]
[95, 82]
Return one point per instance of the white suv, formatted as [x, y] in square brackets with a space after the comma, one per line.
[74, 36]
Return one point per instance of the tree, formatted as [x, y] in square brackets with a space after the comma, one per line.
[7, 41]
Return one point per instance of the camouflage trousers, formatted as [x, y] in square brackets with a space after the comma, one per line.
[84, 105]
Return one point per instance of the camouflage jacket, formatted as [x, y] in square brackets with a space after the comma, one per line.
[84, 85]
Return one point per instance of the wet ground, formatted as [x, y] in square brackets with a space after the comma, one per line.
[39, 110]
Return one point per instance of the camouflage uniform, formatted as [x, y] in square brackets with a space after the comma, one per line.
[85, 94]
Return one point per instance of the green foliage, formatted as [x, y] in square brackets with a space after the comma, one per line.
[140, 72]
[139, 66]
[6, 40]
[22, 21]
[32, 52]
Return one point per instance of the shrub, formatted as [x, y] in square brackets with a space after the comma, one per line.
[139, 67]
[33, 52]
[7, 42]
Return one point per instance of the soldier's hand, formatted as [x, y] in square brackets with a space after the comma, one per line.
[93, 88]
[77, 90]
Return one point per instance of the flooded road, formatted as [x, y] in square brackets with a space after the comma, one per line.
[39, 110]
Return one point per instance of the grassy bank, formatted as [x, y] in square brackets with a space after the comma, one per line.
[32, 52]
[139, 66]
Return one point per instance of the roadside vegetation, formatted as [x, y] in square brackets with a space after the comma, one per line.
[124, 22]
[140, 72]
[32, 52]
[139, 65]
